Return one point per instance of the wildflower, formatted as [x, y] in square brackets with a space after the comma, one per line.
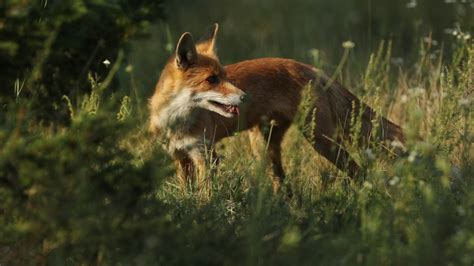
[467, 36]
[106, 62]
[464, 102]
[418, 91]
[404, 98]
[430, 41]
[348, 45]
[169, 47]
[412, 4]
[394, 181]
[314, 52]
[412, 156]
[397, 144]
[368, 185]
[370, 154]
[448, 31]
[129, 68]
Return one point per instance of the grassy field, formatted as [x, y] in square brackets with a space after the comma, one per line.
[413, 210]
[95, 190]
[99, 192]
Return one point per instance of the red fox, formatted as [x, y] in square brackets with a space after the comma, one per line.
[198, 102]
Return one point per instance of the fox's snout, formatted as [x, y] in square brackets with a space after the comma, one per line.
[225, 102]
[239, 97]
[243, 97]
[237, 94]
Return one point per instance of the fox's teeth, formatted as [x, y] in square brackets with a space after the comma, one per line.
[234, 109]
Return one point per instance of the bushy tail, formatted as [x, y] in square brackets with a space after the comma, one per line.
[335, 116]
[353, 115]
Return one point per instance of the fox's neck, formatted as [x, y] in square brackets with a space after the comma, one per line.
[173, 111]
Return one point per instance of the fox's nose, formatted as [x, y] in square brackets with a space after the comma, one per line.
[243, 97]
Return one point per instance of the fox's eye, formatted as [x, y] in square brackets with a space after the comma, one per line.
[213, 79]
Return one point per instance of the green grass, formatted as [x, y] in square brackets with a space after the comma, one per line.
[100, 192]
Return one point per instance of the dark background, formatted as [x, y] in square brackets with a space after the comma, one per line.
[281, 28]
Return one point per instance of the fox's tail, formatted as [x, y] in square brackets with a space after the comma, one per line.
[339, 116]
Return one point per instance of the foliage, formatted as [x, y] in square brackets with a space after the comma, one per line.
[48, 48]
[78, 195]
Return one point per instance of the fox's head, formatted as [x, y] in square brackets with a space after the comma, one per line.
[194, 78]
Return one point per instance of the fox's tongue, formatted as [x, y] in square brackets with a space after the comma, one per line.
[233, 109]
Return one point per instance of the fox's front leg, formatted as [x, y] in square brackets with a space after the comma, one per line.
[199, 162]
[191, 168]
[273, 139]
[185, 170]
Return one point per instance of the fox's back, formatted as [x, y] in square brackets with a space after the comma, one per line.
[272, 84]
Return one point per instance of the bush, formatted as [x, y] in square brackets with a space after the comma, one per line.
[48, 48]
[78, 196]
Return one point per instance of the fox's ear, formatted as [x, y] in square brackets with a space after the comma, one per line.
[186, 53]
[207, 43]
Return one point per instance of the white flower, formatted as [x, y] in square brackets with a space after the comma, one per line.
[412, 4]
[106, 62]
[394, 181]
[412, 156]
[348, 45]
[404, 98]
[467, 36]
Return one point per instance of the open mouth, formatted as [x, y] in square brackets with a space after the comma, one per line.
[232, 109]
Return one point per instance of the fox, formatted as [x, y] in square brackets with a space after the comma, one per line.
[197, 102]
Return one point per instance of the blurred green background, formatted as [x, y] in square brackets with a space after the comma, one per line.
[49, 48]
[281, 28]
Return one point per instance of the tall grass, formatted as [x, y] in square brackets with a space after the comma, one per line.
[414, 209]
[101, 192]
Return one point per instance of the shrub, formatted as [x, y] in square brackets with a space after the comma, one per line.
[48, 48]
[77, 195]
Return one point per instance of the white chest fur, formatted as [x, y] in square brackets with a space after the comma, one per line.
[176, 112]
